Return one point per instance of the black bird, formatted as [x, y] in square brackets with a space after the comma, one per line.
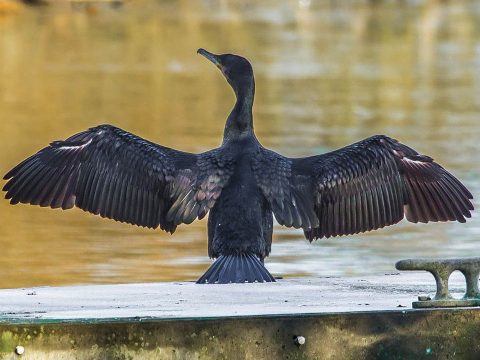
[361, 187]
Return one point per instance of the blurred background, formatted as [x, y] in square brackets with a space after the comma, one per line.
[328, 74]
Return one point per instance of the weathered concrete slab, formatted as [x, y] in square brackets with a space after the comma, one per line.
[189, 300]
[356, 318]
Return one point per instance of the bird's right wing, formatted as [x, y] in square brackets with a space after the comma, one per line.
[361, 187]
[111, 172]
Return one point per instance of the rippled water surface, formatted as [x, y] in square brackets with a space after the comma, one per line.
[327, 75]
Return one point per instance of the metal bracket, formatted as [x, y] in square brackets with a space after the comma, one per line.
[441, 269]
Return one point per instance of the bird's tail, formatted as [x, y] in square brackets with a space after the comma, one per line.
[236, 269]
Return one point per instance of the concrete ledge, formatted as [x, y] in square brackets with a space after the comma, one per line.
[339, 318]
[444, 334]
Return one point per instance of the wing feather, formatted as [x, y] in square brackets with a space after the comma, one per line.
[361, 187]
[118, 175]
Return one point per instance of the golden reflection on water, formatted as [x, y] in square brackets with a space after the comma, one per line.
[327, 75]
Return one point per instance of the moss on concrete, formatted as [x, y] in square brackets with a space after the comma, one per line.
[433, 334]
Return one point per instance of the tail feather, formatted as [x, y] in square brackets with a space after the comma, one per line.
[236, 269]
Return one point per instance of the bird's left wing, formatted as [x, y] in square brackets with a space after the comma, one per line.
[361, 187]
[118, 175]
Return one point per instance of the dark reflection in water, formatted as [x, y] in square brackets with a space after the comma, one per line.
[327, 75]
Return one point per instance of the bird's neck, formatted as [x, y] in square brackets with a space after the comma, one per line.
[240, 120]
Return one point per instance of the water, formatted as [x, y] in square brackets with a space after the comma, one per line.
[327, 75]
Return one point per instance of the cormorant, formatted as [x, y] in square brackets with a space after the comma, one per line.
[361, 187]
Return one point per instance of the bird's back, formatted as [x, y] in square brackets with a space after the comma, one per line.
[236, 221]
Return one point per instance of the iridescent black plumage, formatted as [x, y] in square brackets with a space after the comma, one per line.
[361, 187]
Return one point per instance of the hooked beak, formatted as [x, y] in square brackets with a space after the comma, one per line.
[212, 57]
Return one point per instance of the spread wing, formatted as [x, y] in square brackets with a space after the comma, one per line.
[361, 187]
[118, 175]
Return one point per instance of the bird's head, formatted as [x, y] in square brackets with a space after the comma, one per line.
[236, 69]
